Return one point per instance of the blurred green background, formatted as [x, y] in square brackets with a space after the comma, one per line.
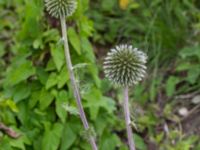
[36, 100]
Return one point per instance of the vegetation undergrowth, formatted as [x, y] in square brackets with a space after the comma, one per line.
[36, 100]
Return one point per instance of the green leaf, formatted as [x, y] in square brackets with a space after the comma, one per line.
[95, 101]
[171, 85]
[52, 137]
[20, 142]
[74, 40]
[46, 99]
[51, 81]
[193, 74]
[110, 142]
[62, 77]
[20, 72]
[67, 142]
[60, 101]
[190, 51]
[31, 26]
[12, 105]
[42, 75]
[71, 109]
[139, 142]
[58, 55]
[34, 99]
[21, 91]
[86, 27]
[5, 143]
[50, 65]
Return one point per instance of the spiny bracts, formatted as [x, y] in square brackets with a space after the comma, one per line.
[125, 65]
[61, 8]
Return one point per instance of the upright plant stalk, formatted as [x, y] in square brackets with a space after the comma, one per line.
[125, 66]
[128, 120]
[73, 82]
[61, 9]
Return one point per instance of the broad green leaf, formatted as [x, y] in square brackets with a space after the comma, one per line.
[87, 49]
[51, 35]
[42, 75]
[51, 81]
[86, 27]
[62, 77]
[31, 26]
[52, 137]
[20, 73]
[24, 114]
[35, 97]
[58, 55]
[21, 92]
[95, 101]
[5, 143]
[46, 99]
[60, 101]
[74, 40]
[20, 142]
[50, 65]
[171, 85]
[110, 142]
[190, 51]
[68, 137]
[193, 74]
[139, 142]
[12, 105]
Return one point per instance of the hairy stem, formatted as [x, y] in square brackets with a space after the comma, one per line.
[73, 82]
[128, 120]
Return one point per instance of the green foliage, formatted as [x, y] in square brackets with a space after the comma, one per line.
[36, 99]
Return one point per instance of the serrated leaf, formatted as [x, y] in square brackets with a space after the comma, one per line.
[19, 73]
[46, 99]
[95, 101]
[74, 40]
[52, 137]
[60, 101]
[139, 142]
[51, 81]
[66, 141]
[21, 92]
[62, 78]
[34, 98]
[42, 75]
[110, 142]
[58, 55]
[20, 142]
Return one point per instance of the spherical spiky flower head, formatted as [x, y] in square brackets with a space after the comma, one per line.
[60, 8]
[125, 65]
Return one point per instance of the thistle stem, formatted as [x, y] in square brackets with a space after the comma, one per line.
[128, 120]
[73, 82]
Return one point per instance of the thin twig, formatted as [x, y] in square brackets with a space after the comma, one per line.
[10, 132]
[128, 120]
[73, 82]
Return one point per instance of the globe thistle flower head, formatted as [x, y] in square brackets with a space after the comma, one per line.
[125, 65]
[61, 8]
